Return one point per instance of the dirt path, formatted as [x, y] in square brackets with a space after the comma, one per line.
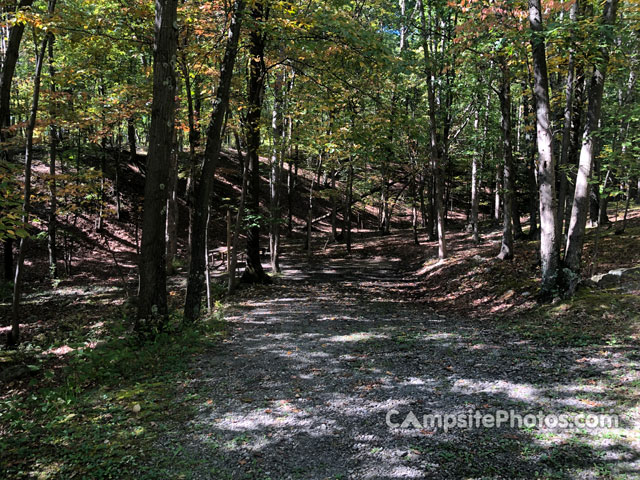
[302, 387]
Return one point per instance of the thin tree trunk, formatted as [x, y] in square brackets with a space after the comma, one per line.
[254, 273]
[496, 196]
[204, 186]
[506, 249]
[475, 194]
[566, 133]
[596, 245]
[207, 267]
[172, 206]
[626, 210]
[53, 146]
[546, 163]
[334, 207]
[277, 128]
[579, 211]
[436, 149]
[239, 217]
[6, 79]
[14, 334]
[152, 311]
[131, 138]
[531, 148]
[347, 216]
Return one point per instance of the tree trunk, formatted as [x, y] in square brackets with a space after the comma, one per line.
[131, 138]
[53, 146]
[566, 133]
[14, 335]
[6, 79]
[254, 273]
[347, 213]
[202, 192]
[334, 207]
[506, 249]
[579, 211]
[435, 147]
[152, 311]
[233, 262]
[8, 69]
[172, 206]
[546, 163]
[496, 196]
[277, 129]
[531, 148]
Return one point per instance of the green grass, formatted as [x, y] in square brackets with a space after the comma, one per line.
[82, 420]
[590, 317]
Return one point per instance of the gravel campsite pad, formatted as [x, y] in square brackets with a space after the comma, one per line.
[313, 366]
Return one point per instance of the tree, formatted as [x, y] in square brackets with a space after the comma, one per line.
[580, 208]
[14, 334]
[152, 295]
[546, 161]
[506, 248]
[254, 273]
[6, 80]
[202, 195]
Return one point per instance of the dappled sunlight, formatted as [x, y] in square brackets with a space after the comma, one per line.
[513, 391]
[324, 366]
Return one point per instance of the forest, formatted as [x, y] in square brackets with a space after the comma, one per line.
[281, 239]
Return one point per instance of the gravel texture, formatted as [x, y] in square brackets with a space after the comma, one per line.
[301, 388]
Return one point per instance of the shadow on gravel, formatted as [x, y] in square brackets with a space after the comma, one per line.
[304, 385]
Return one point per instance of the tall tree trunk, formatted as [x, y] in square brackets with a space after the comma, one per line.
[194, 136]
[6, 79]
[171, 231]
[53, 147]
[202, 192]
[496, 195]
[347, 212]
[546, 162]
[14, 335]
[254, 273]
[277, 129]
[436, 149]
[334, 207]
[566, 132]
[152, 294]
[233, 262]
[506, 249]
[131, 138]
[579, 211]
[531, 148]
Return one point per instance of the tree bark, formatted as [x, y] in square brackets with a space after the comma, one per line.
[172, 206]
[238, 225]
[6, 79]
[506, 249]
[566, 132]
[435, 147]
[347, 212]
[53, 147]
[277, 129]
[546, 162]
[152, 311]
[202, 192]
[14, 335]
[254, 273]
[579, 211]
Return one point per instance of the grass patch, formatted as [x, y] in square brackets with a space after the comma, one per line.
[101, 414]
[590, 317]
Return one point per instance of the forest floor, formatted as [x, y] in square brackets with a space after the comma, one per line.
[295, 380]
[302, 384]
